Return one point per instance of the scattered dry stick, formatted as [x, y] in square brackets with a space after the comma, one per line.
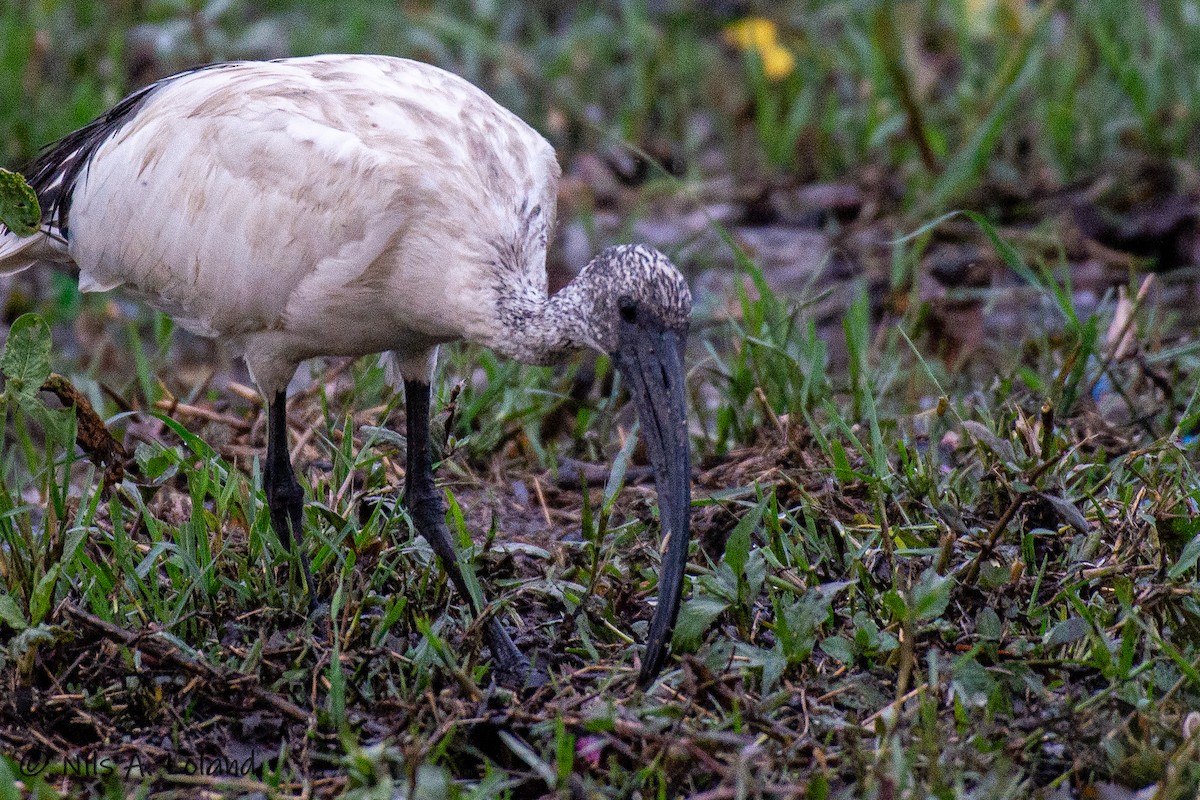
[971, 572]
[168, 653]
[173, 408]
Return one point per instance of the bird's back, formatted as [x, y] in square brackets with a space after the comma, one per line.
[344, 201]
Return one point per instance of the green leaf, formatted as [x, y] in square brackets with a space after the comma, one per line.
[841, 648]
[796, 623]
[524, 752]
[26, 360]
[8, 779]
[931, 595]
[694, 618]
[841, 463]
[43, 595]
[1187, 559]
[19, 208]
[971, 681]
[773, 664]
[866, 633]
[895, 602]
[737, 546]
[988, 625]
[1068, 512]
[981, 434]
[379, 436]
[1069, 630]
[1006, 251]
[564, 752]
[756, 574]
[616, 475]
[198, 446]
[11, 613]
[818, 787]
[465, 550]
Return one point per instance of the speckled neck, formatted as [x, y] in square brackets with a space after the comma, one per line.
[540, 330]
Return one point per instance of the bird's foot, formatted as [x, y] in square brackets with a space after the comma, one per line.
[285, 501]
[519, 676]
[311, 604]
[286, 505]
[512, 669]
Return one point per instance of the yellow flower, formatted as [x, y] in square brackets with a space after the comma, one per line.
[989, 18]
[761, 36]
[752, 33]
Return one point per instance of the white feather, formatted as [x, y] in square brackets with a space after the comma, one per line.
[332, 205]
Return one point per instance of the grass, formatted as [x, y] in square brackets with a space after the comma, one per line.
[998, 87]
[912, 576]
[972, 596]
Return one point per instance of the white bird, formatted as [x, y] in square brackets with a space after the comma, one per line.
[342, 205]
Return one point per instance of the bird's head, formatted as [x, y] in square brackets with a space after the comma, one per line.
[640, 314]
[634, 284]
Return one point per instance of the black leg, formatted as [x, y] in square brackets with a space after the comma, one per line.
[285, 498]
[424, 503]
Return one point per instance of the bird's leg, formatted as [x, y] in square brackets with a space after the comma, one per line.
[428, 513]
[285, 497]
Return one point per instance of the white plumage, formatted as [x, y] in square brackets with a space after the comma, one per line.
[346, 205]
[348, 223]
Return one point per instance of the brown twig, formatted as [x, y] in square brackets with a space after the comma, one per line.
[149, 642]
[199, 412]
[972, 570]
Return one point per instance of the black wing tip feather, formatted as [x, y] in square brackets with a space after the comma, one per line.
[58, 168]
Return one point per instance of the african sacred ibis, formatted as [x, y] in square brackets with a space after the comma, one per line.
[346, 205]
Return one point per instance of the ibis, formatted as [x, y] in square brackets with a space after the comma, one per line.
[344, 205]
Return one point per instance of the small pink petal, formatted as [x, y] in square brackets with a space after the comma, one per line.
[589, 748]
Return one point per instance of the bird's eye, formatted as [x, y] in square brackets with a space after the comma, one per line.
[628, 309]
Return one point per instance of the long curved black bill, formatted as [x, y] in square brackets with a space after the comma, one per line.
[650, 358]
